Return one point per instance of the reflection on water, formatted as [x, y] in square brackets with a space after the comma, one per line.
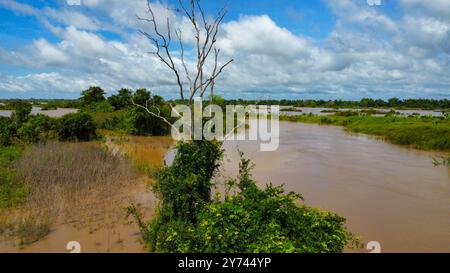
[37, 110]
[388, 193]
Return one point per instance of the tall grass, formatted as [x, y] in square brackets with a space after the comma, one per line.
[81, 184]
[144, 151]
[12, 189]
[74, 182]
[428, 133]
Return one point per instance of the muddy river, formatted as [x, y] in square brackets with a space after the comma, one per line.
[390, 194]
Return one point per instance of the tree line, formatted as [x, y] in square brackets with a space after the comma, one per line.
[118, 112]
[122, 100]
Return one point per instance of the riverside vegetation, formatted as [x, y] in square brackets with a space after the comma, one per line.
[57, 170]
[246, 219]
[421, 132]
[41, 159]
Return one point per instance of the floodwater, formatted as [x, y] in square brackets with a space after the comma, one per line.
[319, 111]
[37, 110]
[387, 193]
[108, 230]
[390, 194]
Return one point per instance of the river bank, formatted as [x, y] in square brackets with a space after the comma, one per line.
[388, 193]
[427, 133]
[95, 218]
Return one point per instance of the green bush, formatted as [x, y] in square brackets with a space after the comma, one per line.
[76, 127]
[268, 221]
[191, 173]
[21, 112]
[247, 221]
[7, 131]
[37, 128]
[93, 94]
[12, 189]
[121, 100]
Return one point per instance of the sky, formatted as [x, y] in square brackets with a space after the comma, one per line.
[282, 49]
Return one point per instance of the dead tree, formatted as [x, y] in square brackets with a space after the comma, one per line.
[195, 84]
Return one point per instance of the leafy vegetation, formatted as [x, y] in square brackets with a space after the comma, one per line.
[131, 119]
[248, 220]
[6, 131]
[363, 103]
[38, 128]
[76, 127]
[429, 133]
[92, 95]
[121, 100]
[12, 189]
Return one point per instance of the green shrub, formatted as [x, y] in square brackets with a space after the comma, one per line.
[21, 112]
[12, 189]
[250, 220]
[121, 100]
[191, 172]
[7, 131]
[76, 127]
[93, 94]
[137, 121]
[37, 128]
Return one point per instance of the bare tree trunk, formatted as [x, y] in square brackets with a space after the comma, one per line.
[205, 42]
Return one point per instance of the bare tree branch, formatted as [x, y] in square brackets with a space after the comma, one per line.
[205, 39]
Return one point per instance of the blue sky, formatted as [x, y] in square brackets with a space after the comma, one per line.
[336, 49]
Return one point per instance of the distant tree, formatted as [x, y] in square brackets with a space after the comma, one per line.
[141, 122]
[394, 102]
[76, 127]
[37, 128]
[6, 131]
[121, 100]
[142, 96]
[93, 94]
[366, 102]
[21, 113]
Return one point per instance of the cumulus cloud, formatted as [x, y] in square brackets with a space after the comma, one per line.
[367, 54]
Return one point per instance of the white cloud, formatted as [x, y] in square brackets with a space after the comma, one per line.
[367, 54]
[439, 8]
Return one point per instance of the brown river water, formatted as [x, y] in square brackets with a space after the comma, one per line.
[390, 194]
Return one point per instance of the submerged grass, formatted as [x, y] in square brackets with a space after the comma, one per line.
[79, 184]
[427, 133]
[146, 152]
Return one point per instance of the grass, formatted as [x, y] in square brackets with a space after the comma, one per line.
[74, 182]
[427, 133]
[31, 230]
[79, 184]
[12, 189]
[146, 152]
[13, 194]
[84, 185]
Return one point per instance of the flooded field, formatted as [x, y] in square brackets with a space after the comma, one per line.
[388, 193]
[37, 110]
[97, 219]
